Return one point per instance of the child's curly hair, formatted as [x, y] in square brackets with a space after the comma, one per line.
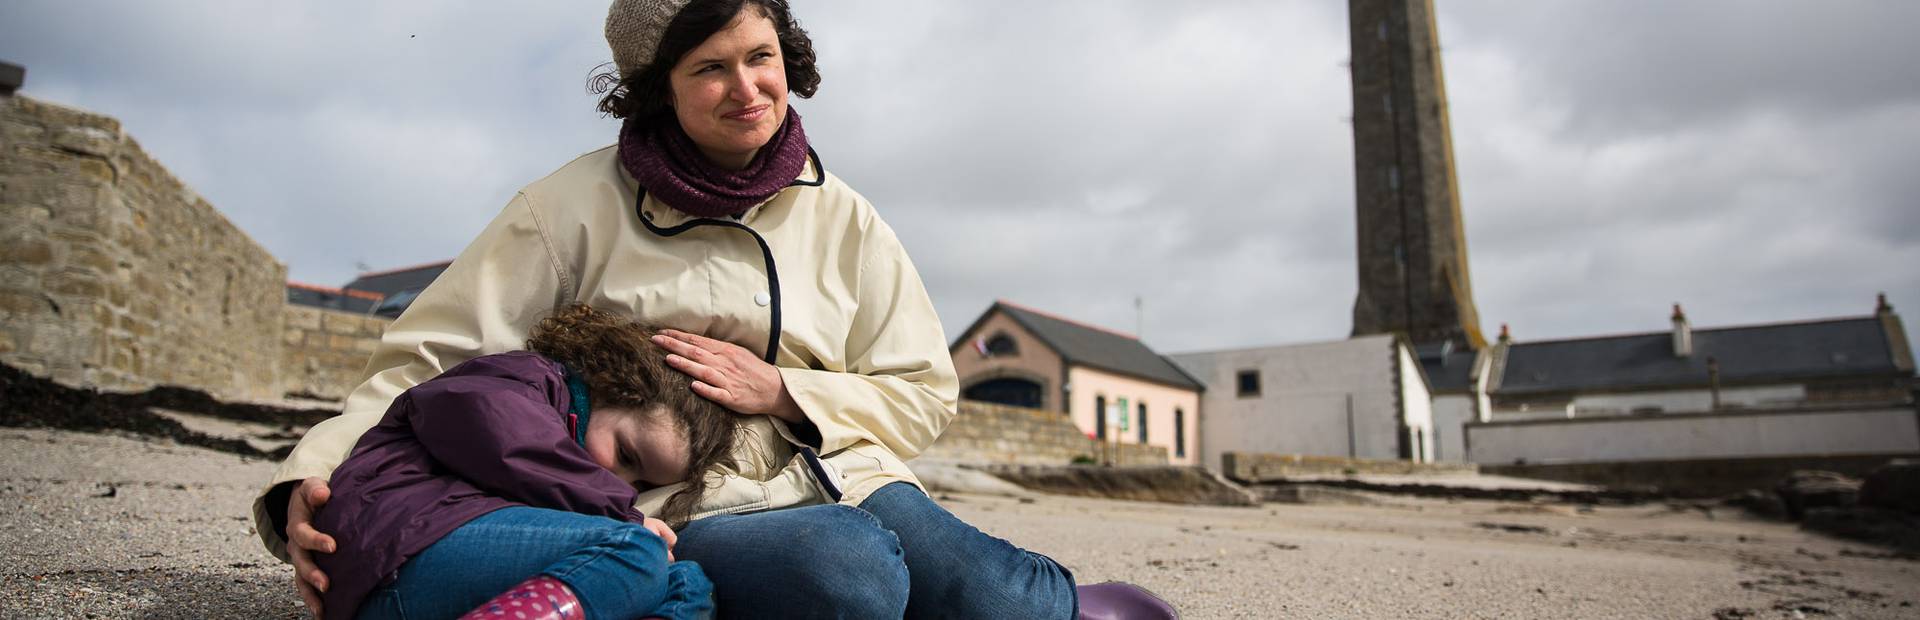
[623, 368]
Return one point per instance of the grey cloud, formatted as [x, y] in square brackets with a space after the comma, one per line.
[1749, 159]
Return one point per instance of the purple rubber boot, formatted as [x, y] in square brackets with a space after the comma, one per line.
[539, 598]
[1114, 600]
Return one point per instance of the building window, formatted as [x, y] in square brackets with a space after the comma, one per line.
[1143, 423]
[1100, 417]
[1179, 433]
[1001, 344]
[1010, 391]
[1249, 383]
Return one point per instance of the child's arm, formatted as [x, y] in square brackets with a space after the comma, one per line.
[504, 436]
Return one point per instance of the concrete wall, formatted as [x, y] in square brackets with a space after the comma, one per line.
[323, 353]
[1162, 402]
[1746, 434]
[989, 433]
[1451, 413]
[1416, 406]
[115, 274]
[1660, 401]
[1307, 391]
[1035, 361]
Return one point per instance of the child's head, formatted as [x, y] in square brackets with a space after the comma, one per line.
[647, 425]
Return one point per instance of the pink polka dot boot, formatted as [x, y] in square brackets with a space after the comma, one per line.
[539, 598]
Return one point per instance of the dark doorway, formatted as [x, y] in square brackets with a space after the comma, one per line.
[1006, 391]
[1100, 417]
[1180, 433]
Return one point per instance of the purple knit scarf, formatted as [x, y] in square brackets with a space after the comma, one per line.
[671, 167]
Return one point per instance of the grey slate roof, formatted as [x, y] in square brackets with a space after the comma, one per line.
[1448, 369]
[330, 299]
[1808, 350]
[1097, 348]
[398, 286]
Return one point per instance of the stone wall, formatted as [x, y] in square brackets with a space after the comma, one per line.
[324, 352]
[1252, 467]
[989, 433]
[115, 274]
[1697, 477]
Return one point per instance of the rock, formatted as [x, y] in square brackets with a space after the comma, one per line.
[1312, 494]
[1517, 528]
[1894, 486]
[87, 141]
[1152, 483]
[1888, 528]
[1807, 489]
[1760, 503]
[951, 478]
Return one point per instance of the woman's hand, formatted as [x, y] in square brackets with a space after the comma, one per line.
[303, 540]
[730, 375]
[659, 528]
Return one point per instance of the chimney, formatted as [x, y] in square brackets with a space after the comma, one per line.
[11, 77]
[1505, 336]
[1882, 308]
[1682, 333]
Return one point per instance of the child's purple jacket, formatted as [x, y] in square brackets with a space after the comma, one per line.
[484, 435]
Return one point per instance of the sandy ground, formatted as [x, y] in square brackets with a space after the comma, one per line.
[113, 527]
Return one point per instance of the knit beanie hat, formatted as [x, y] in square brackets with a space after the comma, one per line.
[634, 30]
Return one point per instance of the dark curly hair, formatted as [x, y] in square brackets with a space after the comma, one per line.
[644, 97]
[623, 368]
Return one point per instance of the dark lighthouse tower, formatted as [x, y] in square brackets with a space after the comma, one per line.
[1412, 248]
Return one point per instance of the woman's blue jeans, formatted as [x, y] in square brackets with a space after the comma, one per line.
[618, 570]
[898, 555]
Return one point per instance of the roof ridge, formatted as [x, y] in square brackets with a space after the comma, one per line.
[350, 292]
[1067, 320]
[1696, 330]
[388, 272]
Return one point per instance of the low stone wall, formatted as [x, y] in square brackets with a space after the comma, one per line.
[114, 274]
[989, 433]
[1147, 483]
[1257, 467]
[1697, 477]
[323, 353]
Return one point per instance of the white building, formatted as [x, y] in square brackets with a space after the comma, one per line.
[1821, 388]
[1364, 397]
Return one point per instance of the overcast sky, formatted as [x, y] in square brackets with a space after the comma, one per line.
[1758, 161]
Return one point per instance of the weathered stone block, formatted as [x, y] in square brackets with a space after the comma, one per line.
[14, 304]
[7, 343]
[338, 323]
[26, 251]
[303, 318]
[76, 283]
[25, 216]
[340, 343]
[18, 132]
[92, 141]
[137, 327]
[92, 258]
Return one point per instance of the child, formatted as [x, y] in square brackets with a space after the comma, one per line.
[515, 475]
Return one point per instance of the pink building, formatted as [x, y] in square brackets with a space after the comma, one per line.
[1107, 382]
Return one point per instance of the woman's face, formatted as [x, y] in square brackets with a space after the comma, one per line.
[640, 446]
[730, 93]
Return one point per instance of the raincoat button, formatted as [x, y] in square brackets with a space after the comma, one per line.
[761, 299]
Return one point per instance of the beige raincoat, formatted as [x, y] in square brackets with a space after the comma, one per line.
[813, 268]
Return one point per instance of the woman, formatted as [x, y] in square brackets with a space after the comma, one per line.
[709, 204]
